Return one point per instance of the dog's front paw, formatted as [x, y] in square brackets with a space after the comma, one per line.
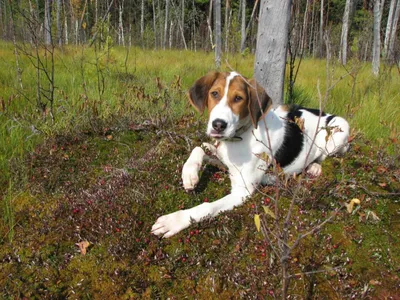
[314, 170]
[190, 175]
[168, 225]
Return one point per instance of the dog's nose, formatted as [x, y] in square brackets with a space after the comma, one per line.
[219, 125]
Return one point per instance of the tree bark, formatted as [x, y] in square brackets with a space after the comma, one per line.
[271, 49]
[65, 25]
[217, 31]
[393, 32]
[376, 48]
[58, 21]
[389, 25]
[209, 24]
[345, 30]
[142, 19]
[154, 24]
[47, 22]
[321, 30]
[227, 23]
[166, 23]
[305, 28]
[243, 26]
[121, 37]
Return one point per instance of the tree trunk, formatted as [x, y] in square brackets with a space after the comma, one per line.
[389, 25]
[171, 26]
[227, 23]
[142, 19]
[209, 23]
[121, 37]
[217, 30]
[310, 42]
[271, 50]
[305, 28]
[154, 24]
[376, 48]
[47, 22]
[243, 26]
[393, 32]
[246, 31]
[166, 23]
[65, 25]
[321, 30]
[345, 30]
[58, 21]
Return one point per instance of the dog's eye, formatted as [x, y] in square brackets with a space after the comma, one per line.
[238, 99]
[214, 94]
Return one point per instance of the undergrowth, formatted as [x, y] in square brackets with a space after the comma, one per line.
[110, 161]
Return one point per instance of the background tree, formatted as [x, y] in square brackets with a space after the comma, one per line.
[376, 48]
[345, 30]
[271, 49]
[217, 31]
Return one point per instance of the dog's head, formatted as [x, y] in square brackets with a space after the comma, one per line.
[232, 102]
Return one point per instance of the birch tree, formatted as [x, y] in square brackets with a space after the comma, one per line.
[121, 37]
[142, 19]
[321, 29]
[243, 25]
[166, 23]
[58, 22]
[227, 22]
[389, 25]
[271, 49]
[47, 22]
[376, 48]
[217, 31]
[345, 30]
[393, 32]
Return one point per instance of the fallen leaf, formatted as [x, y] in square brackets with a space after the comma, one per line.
[371, 214]
[264, 156]
[374, 282]
[350, 205]
[83, 246]
[109, 137]
[382, 184]
[299, 122]
[257, 222]
[269, 212]
[381, 169]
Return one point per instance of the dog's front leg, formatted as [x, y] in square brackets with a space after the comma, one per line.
[190, 170]
[168, 225]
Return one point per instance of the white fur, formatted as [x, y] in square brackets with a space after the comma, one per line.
[246, 169]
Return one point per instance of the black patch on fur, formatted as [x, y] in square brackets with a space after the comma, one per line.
[328, 119]
[293, 141]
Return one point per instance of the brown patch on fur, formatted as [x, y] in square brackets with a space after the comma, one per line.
[219, 88]
[198, 93]
[259, 103]
[238, 97]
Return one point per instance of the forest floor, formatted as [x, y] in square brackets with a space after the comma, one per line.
[82, 222]
[80, 190]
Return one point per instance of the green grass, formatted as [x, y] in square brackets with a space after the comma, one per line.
[102, 174]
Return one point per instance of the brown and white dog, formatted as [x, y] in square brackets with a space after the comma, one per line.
[244, 127]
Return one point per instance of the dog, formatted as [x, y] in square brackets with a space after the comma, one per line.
[249, 135]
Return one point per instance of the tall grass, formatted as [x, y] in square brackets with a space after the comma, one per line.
[135, 85]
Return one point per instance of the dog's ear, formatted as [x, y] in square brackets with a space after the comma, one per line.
[259, 101]
[198, 93]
